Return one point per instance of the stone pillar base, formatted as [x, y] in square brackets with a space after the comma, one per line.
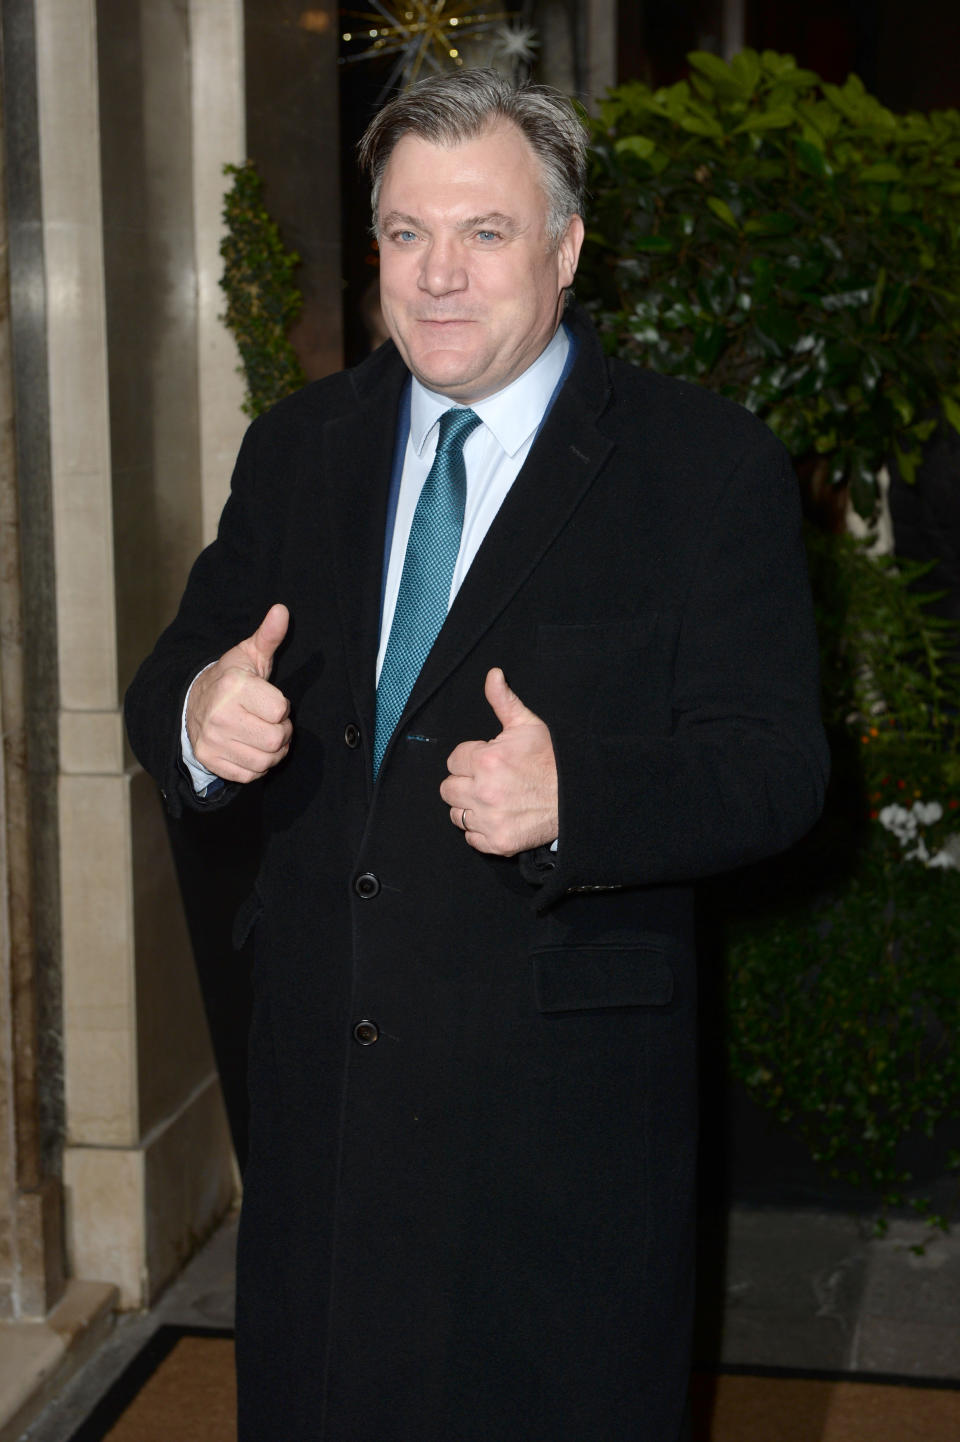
[135, 1214]
[38, 1358]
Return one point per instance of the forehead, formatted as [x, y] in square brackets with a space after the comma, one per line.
[496, 169]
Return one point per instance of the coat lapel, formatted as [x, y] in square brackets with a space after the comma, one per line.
[358, 451]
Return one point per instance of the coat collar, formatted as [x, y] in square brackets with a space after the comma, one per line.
[560, 468]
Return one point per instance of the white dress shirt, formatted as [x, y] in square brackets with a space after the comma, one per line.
[493, 454]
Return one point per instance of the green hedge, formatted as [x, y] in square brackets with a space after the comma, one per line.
[788, 242]
[796, 246]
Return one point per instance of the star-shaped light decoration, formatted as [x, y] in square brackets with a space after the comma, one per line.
[423, 34]
[516, 42]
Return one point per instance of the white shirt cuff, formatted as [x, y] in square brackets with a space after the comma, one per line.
[199, 775]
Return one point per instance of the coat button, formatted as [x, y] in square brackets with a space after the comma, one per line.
[367, 885]
[351, 735]
[366, 1033]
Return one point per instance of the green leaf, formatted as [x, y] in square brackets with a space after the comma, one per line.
[639, 145]
[785, 69]
[879, 286]
[722, 211]
[655, 244]
[908, 462]
[778, 327]
[901, 404]
[701, 125]
[717, 71]
[776, 223]
[951, 409]
[708, 343]
[763, 277]
[775, 119]
[746, 69]
[882, 170]
[811, 158]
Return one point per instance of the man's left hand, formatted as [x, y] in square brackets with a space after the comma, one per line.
[503, 793]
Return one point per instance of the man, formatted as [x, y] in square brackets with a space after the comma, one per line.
[468, 1202]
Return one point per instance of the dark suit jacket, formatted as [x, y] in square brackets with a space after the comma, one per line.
[478, 1227]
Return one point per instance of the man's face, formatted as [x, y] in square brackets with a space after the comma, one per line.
[471, 288]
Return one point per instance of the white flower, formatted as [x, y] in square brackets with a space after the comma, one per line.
[905, 824]
[900, 821]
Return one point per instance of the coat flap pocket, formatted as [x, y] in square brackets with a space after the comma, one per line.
[588, 977]
[248, 914]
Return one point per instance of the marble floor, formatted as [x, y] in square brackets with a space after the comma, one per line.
[782, 1288]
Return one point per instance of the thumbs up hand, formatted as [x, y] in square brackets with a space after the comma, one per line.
[238, 724]
[503, 793]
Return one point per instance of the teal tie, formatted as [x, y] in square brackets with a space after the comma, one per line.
[432, 550]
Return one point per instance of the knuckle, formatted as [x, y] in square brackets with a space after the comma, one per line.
[489, 790]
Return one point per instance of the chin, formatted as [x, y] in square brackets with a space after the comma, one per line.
[443, 375]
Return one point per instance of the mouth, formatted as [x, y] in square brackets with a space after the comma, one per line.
[444, 320]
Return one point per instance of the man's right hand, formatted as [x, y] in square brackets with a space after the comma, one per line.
[238, 724]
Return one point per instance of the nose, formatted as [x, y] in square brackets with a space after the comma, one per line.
[443, 269]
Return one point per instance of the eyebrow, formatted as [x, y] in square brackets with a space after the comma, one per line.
[493, 217]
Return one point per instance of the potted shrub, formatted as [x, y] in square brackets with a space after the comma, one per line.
[263, 299]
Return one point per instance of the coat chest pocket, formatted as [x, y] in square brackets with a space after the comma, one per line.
[600, 977]
[605, 640]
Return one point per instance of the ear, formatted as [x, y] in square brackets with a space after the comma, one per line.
[568, 251]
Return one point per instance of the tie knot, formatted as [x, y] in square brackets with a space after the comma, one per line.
[455, 425]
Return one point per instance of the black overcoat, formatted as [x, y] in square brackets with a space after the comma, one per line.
[477, 1227]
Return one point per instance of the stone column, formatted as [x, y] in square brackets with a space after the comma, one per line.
[31, 1262]
[147, 1165]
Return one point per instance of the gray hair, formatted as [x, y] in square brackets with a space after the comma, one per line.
[456, 106]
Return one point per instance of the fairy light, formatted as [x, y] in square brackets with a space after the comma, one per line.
[420, 34]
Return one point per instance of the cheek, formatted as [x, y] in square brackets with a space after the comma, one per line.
[397, 279]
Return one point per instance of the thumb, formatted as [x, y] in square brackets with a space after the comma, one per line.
[507, 706]
[267, 637]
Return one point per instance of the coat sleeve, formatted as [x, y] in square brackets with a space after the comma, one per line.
[740, 771]
[223, 603]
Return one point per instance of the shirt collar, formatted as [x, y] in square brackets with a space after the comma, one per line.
[513, 414]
